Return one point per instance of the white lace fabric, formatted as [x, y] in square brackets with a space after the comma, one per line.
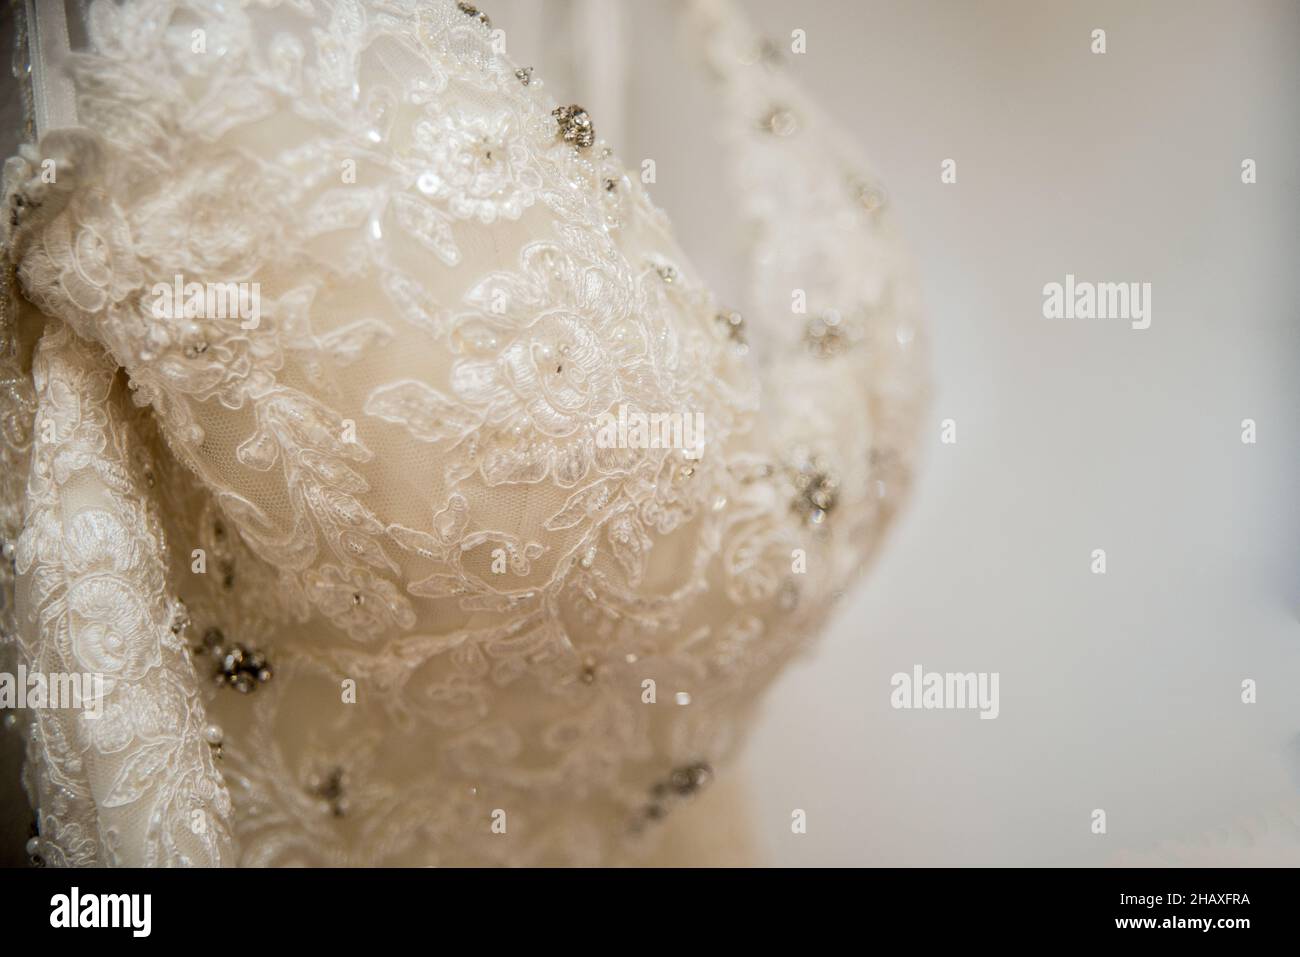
[395, 478]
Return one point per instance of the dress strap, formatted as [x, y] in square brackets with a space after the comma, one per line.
[53, 98]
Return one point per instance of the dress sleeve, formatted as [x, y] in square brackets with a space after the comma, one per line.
[119, 753]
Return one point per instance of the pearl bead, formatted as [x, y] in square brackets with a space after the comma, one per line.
[213, 734]
[34, 847]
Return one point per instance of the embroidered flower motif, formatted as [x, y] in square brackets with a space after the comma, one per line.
[111, 628]
[548, 349]
[76, 433]
[144, 711]
[94, 537]
[555, 377]
[85, 261]
[478, 164]
[217, 221]
[357, 601]
[113, 730]
[68, 844]
[154, 708]
[39, 181]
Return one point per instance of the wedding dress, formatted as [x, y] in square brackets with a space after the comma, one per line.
[364, 584]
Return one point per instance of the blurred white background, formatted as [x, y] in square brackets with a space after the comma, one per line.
[1121, 691]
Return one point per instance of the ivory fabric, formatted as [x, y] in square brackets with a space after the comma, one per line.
[489, 636]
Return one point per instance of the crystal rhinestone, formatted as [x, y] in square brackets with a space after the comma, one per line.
[779, 121]
[825, 335]
[691, 778]
[817, 490]
[868, 195]
[330, 789]
[667, 272]
[237, 666]
[474, 13]
[211, 642]
[734, 325]
[575, 126]
[702, 774]
[180, 617]
[524, 75]
[682, 782]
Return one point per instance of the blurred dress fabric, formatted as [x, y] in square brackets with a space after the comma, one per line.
[365, 583]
